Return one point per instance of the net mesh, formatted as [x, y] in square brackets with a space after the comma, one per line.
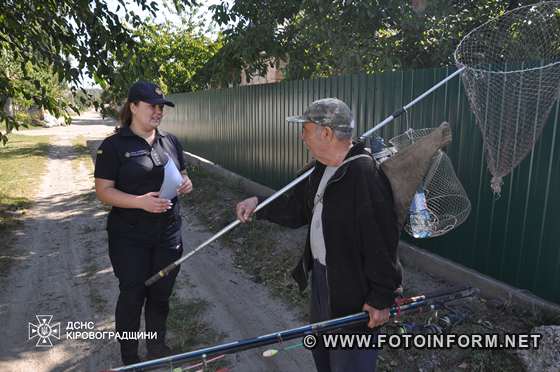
[447, 201]
[512, 78]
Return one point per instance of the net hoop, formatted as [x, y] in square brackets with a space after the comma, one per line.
[469, 35]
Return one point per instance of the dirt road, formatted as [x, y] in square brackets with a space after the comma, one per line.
[63, 270]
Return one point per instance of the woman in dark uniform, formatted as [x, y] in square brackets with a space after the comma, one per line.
[144, 229]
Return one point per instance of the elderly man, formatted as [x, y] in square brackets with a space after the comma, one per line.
[351, 249]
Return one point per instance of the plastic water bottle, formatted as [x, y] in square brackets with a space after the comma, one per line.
[419, 215]
[377, 144]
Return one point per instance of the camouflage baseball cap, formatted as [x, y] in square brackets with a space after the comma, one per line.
[328, 112]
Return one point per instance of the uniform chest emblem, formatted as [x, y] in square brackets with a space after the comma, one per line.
[133, 154]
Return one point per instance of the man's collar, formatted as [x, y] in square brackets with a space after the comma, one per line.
[357, 148]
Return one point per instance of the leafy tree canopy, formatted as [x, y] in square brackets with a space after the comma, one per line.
[66, 37]
[322, 38]
[166, 54]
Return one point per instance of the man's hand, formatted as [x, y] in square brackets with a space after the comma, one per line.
[376, 317]
[245, 209]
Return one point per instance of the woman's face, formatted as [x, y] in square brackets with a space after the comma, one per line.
[146, 115]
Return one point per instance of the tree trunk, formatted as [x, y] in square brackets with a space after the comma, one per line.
[9, 111]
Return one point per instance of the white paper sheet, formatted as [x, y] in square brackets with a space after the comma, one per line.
[171, 180]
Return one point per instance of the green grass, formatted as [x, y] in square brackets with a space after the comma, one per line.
[264, 257]
[22, 163]
[185, 321]
[81, 154]
[188, 330]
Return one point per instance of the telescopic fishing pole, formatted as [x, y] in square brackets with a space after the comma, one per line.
[165, 271]
[427, 302]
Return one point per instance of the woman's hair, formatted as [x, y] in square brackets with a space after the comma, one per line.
[125, 115]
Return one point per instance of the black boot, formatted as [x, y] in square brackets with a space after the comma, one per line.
[129, 352]
[158, 350]
[130, 359]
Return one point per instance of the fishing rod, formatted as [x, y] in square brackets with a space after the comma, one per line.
[165, 271]
[428, 302]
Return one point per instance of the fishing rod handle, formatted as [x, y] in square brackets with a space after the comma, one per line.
[161, 274]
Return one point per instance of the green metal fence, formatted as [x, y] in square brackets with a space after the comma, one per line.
[511, 238]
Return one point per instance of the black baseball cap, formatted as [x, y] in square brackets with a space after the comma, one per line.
[147, 92]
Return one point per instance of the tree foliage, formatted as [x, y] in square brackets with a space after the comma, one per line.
[66, 37]
[168, 55]
[45, 46]
[28, 81]
[322, 38]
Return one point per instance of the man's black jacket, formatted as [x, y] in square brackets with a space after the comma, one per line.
[360, 230]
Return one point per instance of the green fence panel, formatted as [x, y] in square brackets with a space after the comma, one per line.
[511, 238]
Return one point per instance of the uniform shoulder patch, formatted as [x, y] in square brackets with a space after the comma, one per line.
[99, 152]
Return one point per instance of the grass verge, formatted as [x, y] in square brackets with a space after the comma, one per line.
[82, 156]
[22, 164]
[187, 328]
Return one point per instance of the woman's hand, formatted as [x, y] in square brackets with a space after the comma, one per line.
[151, 202]
[186, 186]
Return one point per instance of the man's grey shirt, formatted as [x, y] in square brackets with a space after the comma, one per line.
[317, 239]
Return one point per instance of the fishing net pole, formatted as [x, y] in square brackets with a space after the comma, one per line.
[165, 271]
[510, 68]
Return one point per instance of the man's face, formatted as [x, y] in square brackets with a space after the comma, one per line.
[313, 137]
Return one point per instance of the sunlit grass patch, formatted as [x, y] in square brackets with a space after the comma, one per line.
[22, 163]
